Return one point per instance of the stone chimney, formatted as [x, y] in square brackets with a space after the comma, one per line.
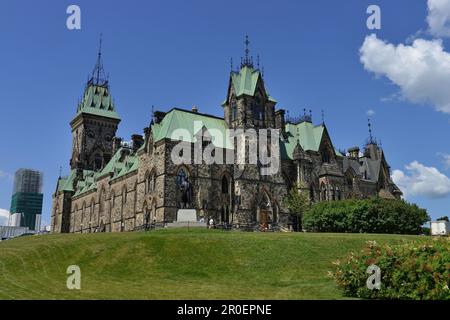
[117, 143]
[138, 141]
[195, 109]
[158, 116]
[354, 153]
[279, 120]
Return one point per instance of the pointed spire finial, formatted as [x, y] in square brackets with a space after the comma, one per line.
[153, 115]
[248, 60]
[98, 74]
[247, 51]
[60, 171]
[369, 124]
[323, 117]
[231, 64]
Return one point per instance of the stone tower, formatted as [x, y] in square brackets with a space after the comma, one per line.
[95, 123]
[248, 104]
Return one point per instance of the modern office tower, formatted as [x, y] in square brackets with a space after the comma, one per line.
[26, 202]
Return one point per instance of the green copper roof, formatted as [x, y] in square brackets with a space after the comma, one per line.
[306, 133]
[182, 119]
[66, 183]
[120, 164]
[97, 101]
[245, 81]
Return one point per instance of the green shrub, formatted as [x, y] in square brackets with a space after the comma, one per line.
[366, 216]
[413, 270]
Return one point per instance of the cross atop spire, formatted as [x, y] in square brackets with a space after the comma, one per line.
[98, 76]
[248, 60]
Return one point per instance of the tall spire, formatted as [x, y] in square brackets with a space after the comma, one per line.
[372, 140]
[98, 76]
[248, 60]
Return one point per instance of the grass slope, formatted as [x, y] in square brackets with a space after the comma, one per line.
[177, 264]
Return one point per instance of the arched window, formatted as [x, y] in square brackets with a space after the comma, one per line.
[98, 161]
[338, 193]
[83, 211]
[323, 192]
[74, 215]
[225, 185]
[91, 213]
[113, 199]
[124, 195]
[325, 156]
[91, 210]
[151, 182]
[333, 194]
[102, 199]
[233, 110]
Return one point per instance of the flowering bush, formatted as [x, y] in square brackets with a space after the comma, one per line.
[413, 270]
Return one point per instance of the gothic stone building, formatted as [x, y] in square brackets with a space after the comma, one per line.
[115, 186]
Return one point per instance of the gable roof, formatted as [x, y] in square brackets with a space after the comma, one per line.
[245, 82]
[308, 135]
[192, 122]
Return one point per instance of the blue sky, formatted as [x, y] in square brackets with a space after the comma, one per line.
[177, 53]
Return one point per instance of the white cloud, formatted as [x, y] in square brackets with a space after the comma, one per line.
[439, 17]
[420, 180]
[4, 216]
[370, 112]
[446, 159]
[421, 70]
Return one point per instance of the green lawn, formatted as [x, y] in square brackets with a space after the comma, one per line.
[177, 264]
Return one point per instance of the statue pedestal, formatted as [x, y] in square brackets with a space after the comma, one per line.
[187, 215]
[187, 218]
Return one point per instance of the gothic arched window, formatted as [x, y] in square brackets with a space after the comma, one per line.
[225, 185]
[113, 199]
[325, 156]
[152, 182]
[323, 192]
[124, 195]
[233, 110]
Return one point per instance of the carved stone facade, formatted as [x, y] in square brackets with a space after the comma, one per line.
[117, 187]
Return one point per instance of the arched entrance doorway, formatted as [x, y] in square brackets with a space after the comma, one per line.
[264, 214]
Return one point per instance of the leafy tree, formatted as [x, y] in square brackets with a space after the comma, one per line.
[375, 215]
[298, 202]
